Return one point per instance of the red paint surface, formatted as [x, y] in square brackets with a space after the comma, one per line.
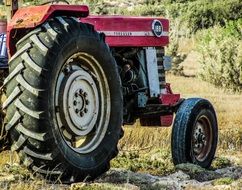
[168, 99]
[29, 17]
[166, 120]
[129, 24]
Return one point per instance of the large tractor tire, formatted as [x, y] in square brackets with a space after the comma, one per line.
[64, 105]
[194, 133]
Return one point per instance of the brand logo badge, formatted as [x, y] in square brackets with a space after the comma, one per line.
[157, 28]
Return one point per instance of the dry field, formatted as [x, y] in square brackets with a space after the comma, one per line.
[142, 147]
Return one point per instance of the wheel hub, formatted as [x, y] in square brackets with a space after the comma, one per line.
[202, 138]
[80, 102]
[199, 138]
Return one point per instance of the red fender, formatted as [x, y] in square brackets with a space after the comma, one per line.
[27, 18]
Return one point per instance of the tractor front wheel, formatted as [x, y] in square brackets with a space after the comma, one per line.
[64, 105]
[194, 133]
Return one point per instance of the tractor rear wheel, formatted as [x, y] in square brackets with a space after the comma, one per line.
[64, 105]
[194, 133]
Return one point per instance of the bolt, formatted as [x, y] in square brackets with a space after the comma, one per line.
[87, 102]
[85, 94]
[81, 114]
[85, 110]
[75, 103]
[203, 138]
[65, 71]
[76, 94]
[76, 110]
[80, 91]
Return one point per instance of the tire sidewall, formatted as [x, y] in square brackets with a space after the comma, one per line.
[186, 118]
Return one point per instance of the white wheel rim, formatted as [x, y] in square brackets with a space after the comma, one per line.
[82, 101]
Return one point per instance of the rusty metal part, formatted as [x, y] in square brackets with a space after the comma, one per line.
[153, 110]
[30, 17]
[202, 138]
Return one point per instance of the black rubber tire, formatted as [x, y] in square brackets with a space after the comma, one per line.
[186, 118]
[30, 112]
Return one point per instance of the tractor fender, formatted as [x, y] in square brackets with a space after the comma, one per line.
[28, 18]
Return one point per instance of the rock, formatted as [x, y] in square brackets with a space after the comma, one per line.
[179, 176]
[232, 172]
[190, 168]
[198, 173]
[125, 176]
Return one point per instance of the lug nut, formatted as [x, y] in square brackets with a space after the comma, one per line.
[74, 103]
[81, 114]
[65, 71]
[203, 138]
[85, 94]
[80, 91]
[87, 102]
[85, 110]
[76, 110]
[76, 94]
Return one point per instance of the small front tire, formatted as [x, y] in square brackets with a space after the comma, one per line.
[194, 133]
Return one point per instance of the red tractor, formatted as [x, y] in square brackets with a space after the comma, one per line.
[74, 79]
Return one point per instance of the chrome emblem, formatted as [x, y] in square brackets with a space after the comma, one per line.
[157, 28]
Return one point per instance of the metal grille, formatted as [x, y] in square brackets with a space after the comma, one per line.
[3, 51]
[161, 69]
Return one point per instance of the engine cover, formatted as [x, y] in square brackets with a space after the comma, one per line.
[123, 31]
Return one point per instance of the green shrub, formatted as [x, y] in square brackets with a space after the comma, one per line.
[206, 13]
[221, 60]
